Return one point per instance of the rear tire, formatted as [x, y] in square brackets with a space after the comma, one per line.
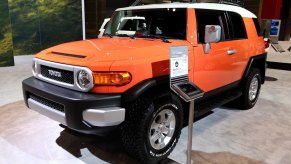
[250, 90]
[152, 128]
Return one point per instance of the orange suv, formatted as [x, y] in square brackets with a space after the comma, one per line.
[121, 81]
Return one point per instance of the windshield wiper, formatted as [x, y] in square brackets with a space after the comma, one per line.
[107, 34]
[163, 38]
[126, 35]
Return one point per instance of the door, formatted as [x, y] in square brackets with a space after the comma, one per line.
[215, 69]
[240, 44]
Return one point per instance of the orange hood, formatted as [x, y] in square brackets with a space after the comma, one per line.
[106, 49]
[143, 58]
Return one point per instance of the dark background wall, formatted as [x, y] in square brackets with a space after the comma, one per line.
[97, 11]
[6, 50]
[285, 31]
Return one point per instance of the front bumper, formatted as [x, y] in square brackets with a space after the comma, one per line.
[84, 112]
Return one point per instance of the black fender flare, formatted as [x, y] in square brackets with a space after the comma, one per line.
[259, 62]
[144, 86]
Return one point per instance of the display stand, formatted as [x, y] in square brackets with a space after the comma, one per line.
[180, 84]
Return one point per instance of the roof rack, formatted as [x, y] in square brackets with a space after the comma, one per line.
[139, 2]
[136, 2]
[239, 3]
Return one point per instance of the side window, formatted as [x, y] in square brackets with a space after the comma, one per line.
[238, 26]
[211, 17]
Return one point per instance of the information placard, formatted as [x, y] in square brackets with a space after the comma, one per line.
[179, 81]
[179, 61]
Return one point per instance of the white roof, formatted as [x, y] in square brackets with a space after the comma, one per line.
[212, 6]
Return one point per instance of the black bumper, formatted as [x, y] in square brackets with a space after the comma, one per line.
[74, 103]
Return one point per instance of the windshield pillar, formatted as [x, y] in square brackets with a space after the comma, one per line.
[191, 27]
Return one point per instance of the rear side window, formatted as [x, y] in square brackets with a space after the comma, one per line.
[211, 17]
[238, 26]
[258, 28]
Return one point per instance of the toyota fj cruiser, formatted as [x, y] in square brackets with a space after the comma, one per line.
[121, 81]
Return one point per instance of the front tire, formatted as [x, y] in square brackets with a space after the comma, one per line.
[152, 128]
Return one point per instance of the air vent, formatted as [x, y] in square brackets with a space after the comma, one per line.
[49, 103]
[70, 55]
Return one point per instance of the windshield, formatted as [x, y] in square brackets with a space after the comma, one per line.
[168, 23]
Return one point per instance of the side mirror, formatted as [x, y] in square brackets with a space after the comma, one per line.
[212, 35]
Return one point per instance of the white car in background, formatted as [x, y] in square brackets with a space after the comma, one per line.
[126, 26]
[102, 28]
[129, 25]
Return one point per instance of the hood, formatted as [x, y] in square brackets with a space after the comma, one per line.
[107, 50]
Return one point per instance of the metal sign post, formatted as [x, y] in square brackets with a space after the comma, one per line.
[190, 133]
[180, 84]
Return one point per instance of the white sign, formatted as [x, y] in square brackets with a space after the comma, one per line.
[178, 61]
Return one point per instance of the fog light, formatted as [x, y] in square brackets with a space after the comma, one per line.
[84, 79]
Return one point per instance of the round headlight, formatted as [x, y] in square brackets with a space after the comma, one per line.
[84, 79]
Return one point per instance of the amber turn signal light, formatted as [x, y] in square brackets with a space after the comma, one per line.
[111, 78]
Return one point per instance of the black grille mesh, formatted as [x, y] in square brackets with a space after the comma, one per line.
[66, 76]
[48, 103]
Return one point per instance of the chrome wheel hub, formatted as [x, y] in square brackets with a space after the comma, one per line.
[253, 88]
[162, 129]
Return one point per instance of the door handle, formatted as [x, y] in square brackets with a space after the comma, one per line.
[231, 51]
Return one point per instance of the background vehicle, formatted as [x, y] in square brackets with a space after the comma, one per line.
[102, 28]
[122, 79]
[129, 25]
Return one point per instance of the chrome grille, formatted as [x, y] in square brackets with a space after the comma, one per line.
[59, 74]
[65, 76]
